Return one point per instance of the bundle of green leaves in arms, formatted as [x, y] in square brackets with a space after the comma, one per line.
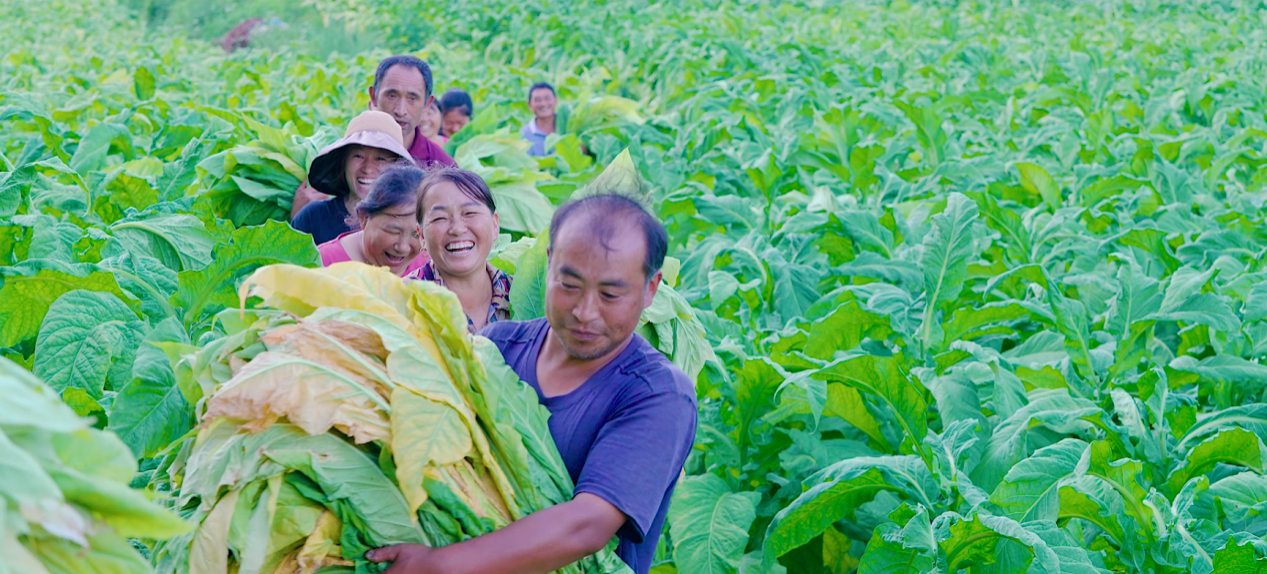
[65, 503]
[253, 183]
[356, 413]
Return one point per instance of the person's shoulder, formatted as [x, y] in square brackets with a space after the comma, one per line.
[655, 373]
[315, 209]
[333, 251]
[513, 332]
[431, 154]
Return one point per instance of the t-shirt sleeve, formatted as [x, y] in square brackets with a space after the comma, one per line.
[638, 455]
[438, 155]
[303, 219]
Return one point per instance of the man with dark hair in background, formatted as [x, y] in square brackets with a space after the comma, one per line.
[402, 89]
[622, 415]
[543, 102]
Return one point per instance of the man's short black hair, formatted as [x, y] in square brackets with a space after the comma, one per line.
[541, 86]
[403, 60]
[604, 211]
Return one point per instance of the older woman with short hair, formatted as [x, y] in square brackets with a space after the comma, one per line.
[388, 234]
[459, 224]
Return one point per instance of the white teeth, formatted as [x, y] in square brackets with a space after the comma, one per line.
[460, 245]
[363, 181]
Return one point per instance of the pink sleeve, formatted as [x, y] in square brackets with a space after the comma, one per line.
[332, 252]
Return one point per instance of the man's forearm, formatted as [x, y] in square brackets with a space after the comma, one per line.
[541, 542]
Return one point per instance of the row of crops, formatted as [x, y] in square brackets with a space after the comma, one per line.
[983, 280]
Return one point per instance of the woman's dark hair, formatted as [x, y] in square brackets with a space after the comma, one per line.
[472, 186]
[395, 186]
[456, 99]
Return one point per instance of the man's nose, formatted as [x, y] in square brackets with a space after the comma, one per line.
[586, 308]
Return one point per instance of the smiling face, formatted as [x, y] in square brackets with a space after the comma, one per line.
[459, 230]
[543, 103]
[402, 93]
[391, 238]
[361, 166]
[430, 125]
[596, 295]
[453, 121]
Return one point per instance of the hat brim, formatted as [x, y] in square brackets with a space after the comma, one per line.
[326, 173]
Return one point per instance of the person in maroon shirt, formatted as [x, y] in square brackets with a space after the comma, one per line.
[402, 88]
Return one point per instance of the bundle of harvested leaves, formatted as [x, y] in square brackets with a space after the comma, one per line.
[357, 413]
[65, 504]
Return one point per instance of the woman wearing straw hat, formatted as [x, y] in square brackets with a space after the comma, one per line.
[346, 170]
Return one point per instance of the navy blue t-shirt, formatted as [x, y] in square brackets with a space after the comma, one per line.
[624, 434]
[325, 219]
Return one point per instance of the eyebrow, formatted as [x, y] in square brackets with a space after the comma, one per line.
[467, 204]
[409, 91]
[570, 272]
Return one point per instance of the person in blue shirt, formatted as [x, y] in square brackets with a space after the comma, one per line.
[544, 104]
[622, 415]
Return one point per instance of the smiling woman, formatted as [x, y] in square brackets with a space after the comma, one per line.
[389, 235]
[346, 170]
[459, 223]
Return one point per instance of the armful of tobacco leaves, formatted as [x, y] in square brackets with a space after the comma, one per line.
[541, 542]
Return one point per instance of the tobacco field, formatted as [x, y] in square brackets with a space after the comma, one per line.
[969, 286]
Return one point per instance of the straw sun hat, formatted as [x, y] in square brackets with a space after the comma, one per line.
[370, 129]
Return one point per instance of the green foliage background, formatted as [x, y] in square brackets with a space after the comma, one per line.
[984, 278]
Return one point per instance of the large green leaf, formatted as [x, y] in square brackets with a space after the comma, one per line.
[709, 524]
[883, 378]
[88, 341]
[837, 491]
[208, 290]
[948, 250]
[1232, 446]
[25, 299]
[1007, 444]
[528, 291]
[1030, 490]
[974, 541]
[150, 412]
[181, 241]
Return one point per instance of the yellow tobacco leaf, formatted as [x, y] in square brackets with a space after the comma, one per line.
[348, 285]
[322, 547]
[331, 343]
[414, 370]
[424, 433]
[302, 290]
[209, 553]
[315, 397]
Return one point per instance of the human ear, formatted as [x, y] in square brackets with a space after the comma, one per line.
[373, 97]
[652, 286]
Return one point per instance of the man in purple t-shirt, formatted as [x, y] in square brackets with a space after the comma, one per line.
[622, 415]
[402, 89]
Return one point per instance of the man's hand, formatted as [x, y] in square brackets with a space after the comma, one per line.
[541, 542]
[304, 195]
[405, 558]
